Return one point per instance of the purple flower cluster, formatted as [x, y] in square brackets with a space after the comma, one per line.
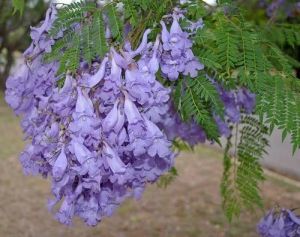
[107, 132]
[274, 6]
[288, 8]
[177, 57]
[34, 79]
[235, 102]
[284, 223]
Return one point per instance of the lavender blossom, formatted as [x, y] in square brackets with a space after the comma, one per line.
[60, 165]
[281, 223]
[108, 131]
[177, 57]
[246, 100]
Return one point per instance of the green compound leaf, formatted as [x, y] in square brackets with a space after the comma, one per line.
[114, 22]
[198, 98]
[242, 171]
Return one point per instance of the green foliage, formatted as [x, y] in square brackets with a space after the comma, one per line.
[227, 47]
[283, 34]
[91, 28]
[130, 13]
[196, 9]
[144, 14]
[98, 32]
[242, 54]
[149, 13]
[18, 6]
[242, 170]
[224, 2]
[228, 202]
[85, 42]
[281, 106]
[71, 55]
[247, 57]
[115, 24]
[287, 37]
[165, 180]
[76, 12]
[196, 99]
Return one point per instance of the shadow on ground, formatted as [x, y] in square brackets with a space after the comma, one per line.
[189, 207]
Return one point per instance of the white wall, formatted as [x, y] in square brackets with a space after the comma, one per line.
[280, 157]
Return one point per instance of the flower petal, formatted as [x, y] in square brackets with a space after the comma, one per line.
[60, 165]
[95, 79]
[113, 160]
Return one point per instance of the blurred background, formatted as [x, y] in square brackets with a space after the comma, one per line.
[189, 206]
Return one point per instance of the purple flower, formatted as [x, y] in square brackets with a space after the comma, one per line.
[89, 211]
[115, 119]
[36, 32]
[195, 26]
[18, 90]
[265, 224]
[222, 126]
[113, 160]
[96, 78]
[131, 111]
[283, 223]
[246, 100]
[192, 67]
[274, 6]
[231, 106]
[80, 151]
[177, 56]
[60, 165]
[160, 145]
[176, 40]
[66, 212]
[129, 55]
[41, 41]
[138, 87]
[84, 105]
[119, 60]
[172, 67]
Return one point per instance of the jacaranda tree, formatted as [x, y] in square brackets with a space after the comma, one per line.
[110, 91]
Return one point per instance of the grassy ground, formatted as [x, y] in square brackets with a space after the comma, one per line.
[189, 207]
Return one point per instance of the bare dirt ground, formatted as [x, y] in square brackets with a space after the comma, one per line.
[189, 207]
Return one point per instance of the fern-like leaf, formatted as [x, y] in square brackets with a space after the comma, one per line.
[87, 42]
[195, 105]
[227, 46]
[69, 62]
[98, 36]
[130, 13]
[295, 130]
[114, 22]
[242, 170]
[248, 58]
[283, 34]
[73, 13]
[280, 107]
